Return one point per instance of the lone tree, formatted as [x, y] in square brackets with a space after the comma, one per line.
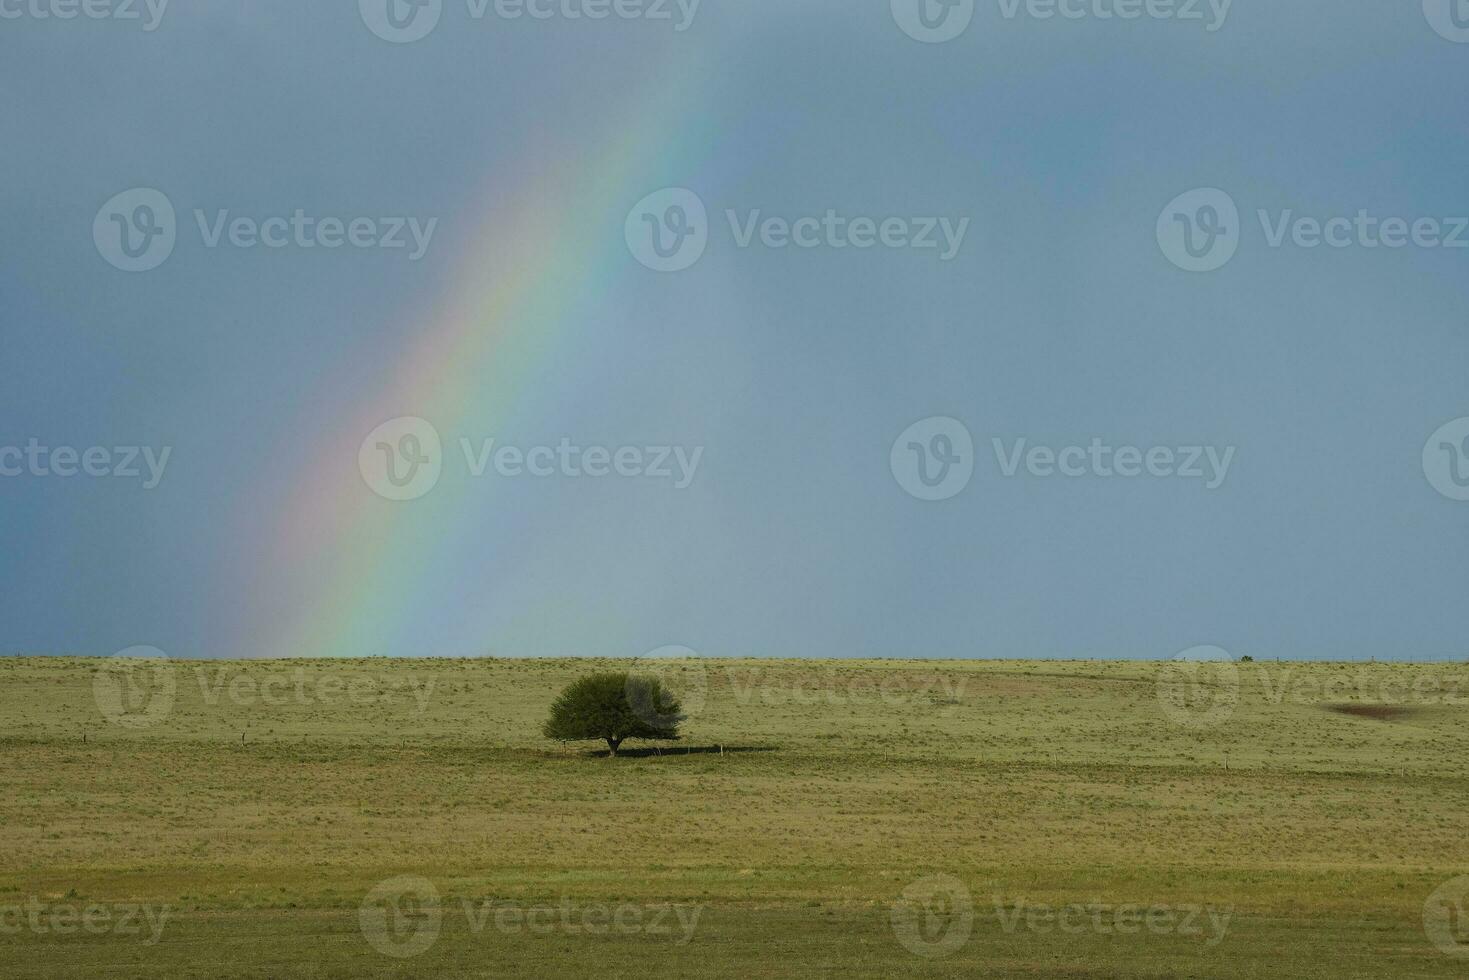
[614, 707]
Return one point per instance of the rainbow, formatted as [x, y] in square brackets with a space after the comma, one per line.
[526, 287]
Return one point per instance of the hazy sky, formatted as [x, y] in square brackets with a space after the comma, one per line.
[750, 404]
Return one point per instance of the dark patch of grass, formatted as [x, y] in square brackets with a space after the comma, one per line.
[1376, 712]
[643, 753]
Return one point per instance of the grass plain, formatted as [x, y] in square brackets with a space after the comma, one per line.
[864, 818]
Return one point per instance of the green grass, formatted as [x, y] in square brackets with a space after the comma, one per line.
[1319, 831]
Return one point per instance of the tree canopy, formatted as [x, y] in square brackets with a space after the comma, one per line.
[613, 707]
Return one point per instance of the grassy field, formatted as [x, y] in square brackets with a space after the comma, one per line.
[383, 818]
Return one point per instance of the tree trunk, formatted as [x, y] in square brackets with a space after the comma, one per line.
[613, 743]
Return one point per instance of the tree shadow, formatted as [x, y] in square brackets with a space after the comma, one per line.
[657, 751]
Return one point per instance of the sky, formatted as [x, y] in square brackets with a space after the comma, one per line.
[812, 328]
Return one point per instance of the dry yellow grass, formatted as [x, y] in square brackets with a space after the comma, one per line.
[262, 806]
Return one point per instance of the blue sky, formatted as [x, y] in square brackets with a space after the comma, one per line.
[1061, 319]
